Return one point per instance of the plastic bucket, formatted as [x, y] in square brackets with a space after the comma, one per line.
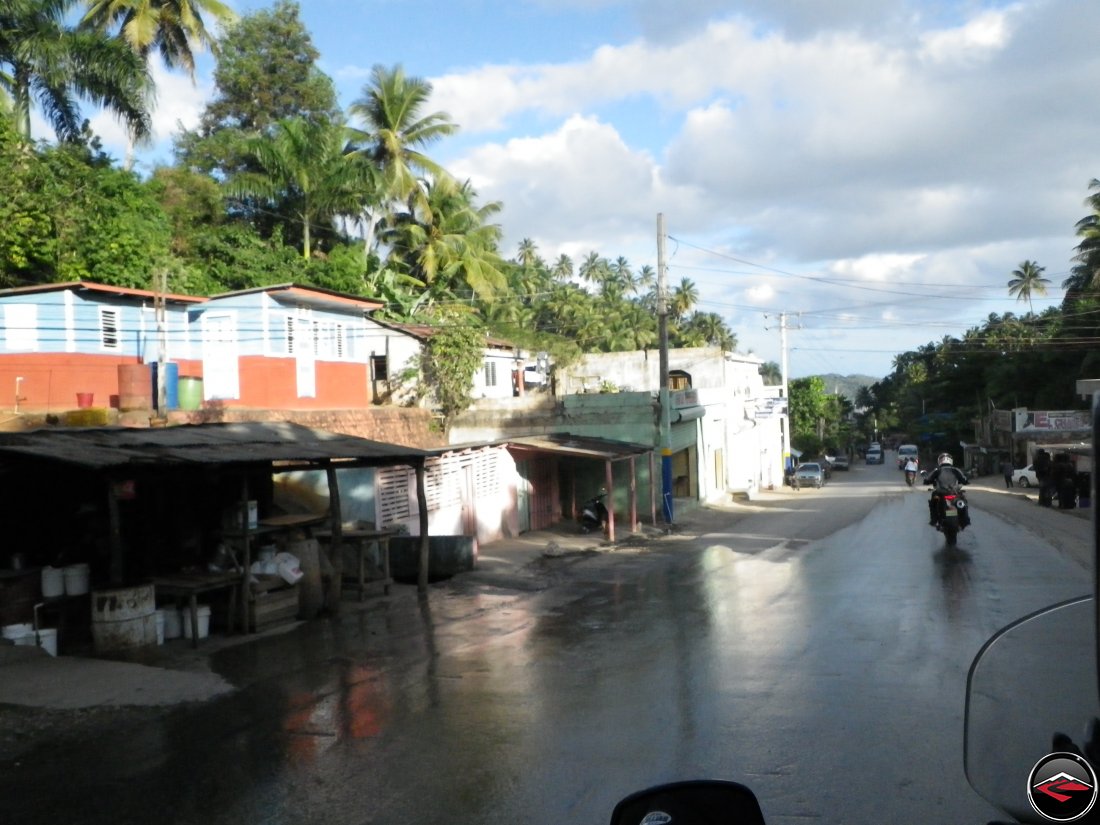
[173, 628]
[53, 582]
[76, 579]
[124, 618]
[16, 631]
[204, 621]
[47, 640]
[84, 400]
[190, 392]
[171, 385]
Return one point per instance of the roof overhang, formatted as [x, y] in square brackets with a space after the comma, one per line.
[578, 446]
[282, 445]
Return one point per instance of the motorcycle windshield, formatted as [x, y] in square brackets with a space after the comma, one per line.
[1036, 678]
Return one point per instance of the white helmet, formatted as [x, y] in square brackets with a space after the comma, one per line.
[945, 458]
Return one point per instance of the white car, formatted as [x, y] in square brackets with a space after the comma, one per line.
[1025, 477]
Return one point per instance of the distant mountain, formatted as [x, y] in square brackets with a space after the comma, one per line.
[847, 385]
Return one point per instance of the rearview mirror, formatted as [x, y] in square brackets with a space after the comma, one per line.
[699, 802]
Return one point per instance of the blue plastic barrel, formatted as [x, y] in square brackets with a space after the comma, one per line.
[171, 385]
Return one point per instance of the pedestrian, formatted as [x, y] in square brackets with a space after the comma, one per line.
[1006, 470]
[1043, 470]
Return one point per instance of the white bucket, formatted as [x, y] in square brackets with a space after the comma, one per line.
[16, 631]
[53, 582]
[172, 627]
[204, 621]
[76, 579]
[47, 640]
[160, 626]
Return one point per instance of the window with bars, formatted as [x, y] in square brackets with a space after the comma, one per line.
[109, 328]
[391, 490]
[380, 368]
[490, 373]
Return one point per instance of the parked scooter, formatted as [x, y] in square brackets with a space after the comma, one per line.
[594, 513]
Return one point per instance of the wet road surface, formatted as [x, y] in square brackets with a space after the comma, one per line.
[815, 649]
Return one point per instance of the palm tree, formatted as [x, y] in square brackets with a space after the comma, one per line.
[592, 267]
[1085, 275]
[1026, 279]
[563, 268]
[44, 59]
[168, 26]
[310, 163]
[452, 248]
[394, 131]
[684, 297]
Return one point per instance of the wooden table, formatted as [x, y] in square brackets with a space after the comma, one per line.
[361, 540]
[190, 585]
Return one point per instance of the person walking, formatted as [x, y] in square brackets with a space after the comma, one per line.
[1006, 471]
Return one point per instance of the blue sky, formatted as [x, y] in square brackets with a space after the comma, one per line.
[879, 166]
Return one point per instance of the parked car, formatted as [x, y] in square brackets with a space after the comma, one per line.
[1025, 477]
[809, 474]
[840, 462]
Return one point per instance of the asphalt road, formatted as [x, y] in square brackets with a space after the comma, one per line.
[813, 645]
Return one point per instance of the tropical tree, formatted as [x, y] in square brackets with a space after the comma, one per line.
[394, 132]
[1026, 279]
[310, 164]
[1085, 275]
[450, 246]
[169, 27]
[266, 73]
[45, 60]
[684, 297]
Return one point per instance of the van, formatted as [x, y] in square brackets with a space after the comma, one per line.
[905, 452]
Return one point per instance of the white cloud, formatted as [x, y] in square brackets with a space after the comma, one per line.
[179, 102]
[572, 190]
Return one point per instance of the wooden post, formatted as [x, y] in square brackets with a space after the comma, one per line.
[633, 496]
[246, 553]
[652, 490]
[118, 567]
[609, 478]
[335, 548]
[422, 504]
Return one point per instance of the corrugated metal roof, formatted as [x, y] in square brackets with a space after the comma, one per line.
[198, 445]
[581, 446]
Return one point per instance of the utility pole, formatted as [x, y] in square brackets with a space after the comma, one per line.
[785, 419]
[662, 333]
[159, 301]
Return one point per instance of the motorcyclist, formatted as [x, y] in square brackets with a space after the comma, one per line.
[944, 477]
[910, 467]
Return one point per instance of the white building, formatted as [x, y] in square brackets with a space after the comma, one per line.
[726, 435]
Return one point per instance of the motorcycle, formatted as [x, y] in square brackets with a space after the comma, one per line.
[910, 477]
[952, 513]
[594, 513]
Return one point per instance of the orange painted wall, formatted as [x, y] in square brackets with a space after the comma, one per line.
[271, 384]
[51, 382]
